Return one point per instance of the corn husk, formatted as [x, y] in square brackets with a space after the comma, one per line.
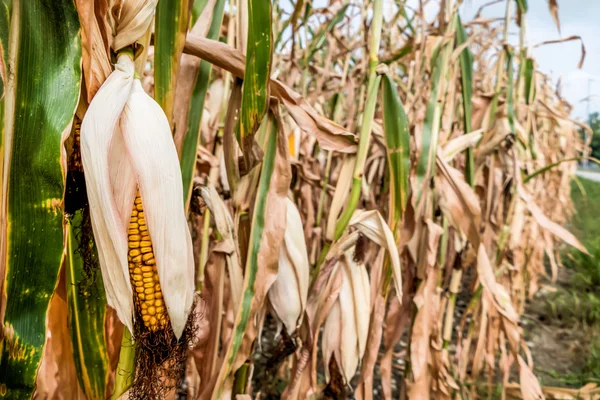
[347, 324]
[289, 291]
[126, 144]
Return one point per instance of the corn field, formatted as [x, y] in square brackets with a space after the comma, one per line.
[240, 199]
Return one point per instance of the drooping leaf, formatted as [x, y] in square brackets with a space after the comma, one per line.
[330, 135]
[36, 117]
[567, 39]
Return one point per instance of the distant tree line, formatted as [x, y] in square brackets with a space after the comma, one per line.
[594, 122]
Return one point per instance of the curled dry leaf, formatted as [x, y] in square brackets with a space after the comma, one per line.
[371, 224]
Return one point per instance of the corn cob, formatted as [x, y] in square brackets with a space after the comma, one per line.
[76, 155]
[142, 271]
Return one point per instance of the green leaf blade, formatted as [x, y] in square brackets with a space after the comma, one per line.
[39, 106]
[396, 129]
[466, 74]
[87, 310]
[255, 93]
[170, 31]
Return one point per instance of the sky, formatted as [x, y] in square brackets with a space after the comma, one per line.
[577, 17]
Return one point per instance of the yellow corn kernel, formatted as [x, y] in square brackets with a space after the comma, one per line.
[143, 272]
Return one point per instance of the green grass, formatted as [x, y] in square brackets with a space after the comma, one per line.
[586, 222]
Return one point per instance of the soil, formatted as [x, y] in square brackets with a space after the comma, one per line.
[558, 348]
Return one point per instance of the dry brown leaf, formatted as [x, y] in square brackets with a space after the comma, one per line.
[547, 224]
[96, 39]
[567, 39]
[553, 6]
[57, 377]
[458, 201]
[331, 136]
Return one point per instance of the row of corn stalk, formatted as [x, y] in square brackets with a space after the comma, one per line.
[220, 198]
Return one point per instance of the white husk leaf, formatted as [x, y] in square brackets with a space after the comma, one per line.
[126, 143]
[98, 129]
[289, 292]
[331, 336]
[361, 291]
[349, 334]
[154, 158]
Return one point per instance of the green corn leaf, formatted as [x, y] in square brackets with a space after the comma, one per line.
[169, 37]
[466, 74]
[39, 103]
[397, 136]
[529, 80]
[87, 309]
[255, 95]
[196, 107]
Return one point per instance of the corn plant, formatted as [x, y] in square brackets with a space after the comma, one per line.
[220, 198]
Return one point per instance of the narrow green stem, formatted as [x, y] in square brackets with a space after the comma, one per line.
[317, 269]
[369, 112]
